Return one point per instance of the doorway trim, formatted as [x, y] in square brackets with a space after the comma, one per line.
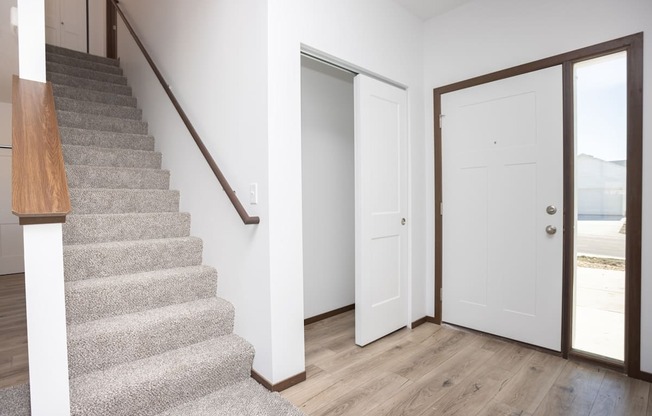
[633, 44]
[111, 30]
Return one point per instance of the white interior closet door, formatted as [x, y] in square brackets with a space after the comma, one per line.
[65, 24]
[502, 150]
[381, 183]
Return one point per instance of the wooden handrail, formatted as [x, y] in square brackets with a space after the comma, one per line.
[39, 185]
[230, 193]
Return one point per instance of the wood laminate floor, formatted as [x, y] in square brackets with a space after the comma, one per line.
[13, 331]
[440, 370]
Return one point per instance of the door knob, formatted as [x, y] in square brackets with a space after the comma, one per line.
[551, 229]
[551, 210]
[402, 221]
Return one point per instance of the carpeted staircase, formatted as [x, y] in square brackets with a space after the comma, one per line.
[146, 333]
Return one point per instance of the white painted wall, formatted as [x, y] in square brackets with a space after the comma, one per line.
[380, 37]
[489, 35]
[97, 27]
[214, 55]
[235, 67]
[9, 48]
[327, 133]
[11, 234]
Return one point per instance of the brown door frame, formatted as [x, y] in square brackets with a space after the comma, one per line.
[633, 44]
[111, 30]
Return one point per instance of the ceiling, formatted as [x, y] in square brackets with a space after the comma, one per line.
[426, 9]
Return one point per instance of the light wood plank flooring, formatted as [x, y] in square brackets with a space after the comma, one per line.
[13, 331]
[439, 370]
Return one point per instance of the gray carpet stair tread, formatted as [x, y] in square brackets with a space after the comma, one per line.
[87, 261]
[103, 297]
[99, 228]
[104, 343]
[103, 156]
[68, 91]
[100, 109]
[80, 55]
[98, 122]
[246, 398]
[90, 84]
[107, 139]
[14, 401]
[75, 71]
[82, 63]
[83, 176]
[155, 384]
[115, 201]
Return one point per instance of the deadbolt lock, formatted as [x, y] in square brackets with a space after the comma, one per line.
[551, 210]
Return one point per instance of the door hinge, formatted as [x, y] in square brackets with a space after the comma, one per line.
[441, 208]
[441, 294]
[441, 117]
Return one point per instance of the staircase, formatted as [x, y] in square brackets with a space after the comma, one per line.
[146, 333]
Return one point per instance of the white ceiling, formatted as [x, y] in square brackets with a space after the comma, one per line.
[426, 9]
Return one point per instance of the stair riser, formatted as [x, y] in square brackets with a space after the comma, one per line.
[80, 55]
[93, 122]
[97, 156]
[82, 63]
[110, 140]
[144, 336]
[88, 84]
[109, 259]
[75, 93]
[99, 109]
[86, 300]
[85, 73]
[118, 201]
[88, 229]
[193, 375]
[114, 178]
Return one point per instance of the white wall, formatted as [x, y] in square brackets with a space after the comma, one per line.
[11, 234]
[235, 67]
[9, 48]
[380, 37]
[327, 133]
[97, 27]
[489, 35]
[214, 55]
[377, 36]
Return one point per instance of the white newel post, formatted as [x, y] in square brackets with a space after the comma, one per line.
[46, 320]
[43, 244]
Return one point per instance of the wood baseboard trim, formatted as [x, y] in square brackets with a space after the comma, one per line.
[325, 315]
[645, 376]
[423, 320]
[280, 386]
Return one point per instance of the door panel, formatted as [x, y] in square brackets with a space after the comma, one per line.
[501, 167]
[52, 22]
[65, 23]
[381, 205]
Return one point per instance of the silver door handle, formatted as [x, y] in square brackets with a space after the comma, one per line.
[551, 229]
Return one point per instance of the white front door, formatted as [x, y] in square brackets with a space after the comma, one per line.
[502, 153]
[381, 186]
